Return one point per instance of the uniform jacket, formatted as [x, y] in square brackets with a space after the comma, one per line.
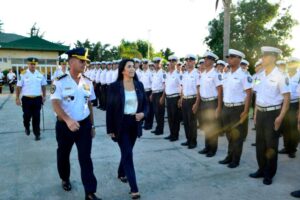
[115, 106]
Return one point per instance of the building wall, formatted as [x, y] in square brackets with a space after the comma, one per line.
[10, 57]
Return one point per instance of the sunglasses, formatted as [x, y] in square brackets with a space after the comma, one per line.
[82, 61]
[190, 59]
[210, 57]
[145, 62]
[156, 62]
[172, 60]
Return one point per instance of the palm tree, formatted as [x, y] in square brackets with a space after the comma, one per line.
[226, 28]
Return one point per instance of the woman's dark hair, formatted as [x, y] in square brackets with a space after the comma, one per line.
[122, 67]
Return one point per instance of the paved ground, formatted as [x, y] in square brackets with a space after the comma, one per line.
[165, 171]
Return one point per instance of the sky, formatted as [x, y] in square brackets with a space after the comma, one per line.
[180, 25]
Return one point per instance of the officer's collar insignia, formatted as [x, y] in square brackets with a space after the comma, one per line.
[62, 76]
[86, 77]
[52, 89]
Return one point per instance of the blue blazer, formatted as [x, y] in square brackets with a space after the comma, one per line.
[115, 106]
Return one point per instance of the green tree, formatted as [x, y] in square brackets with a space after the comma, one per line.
[143, 48]
[129, 49]
[166, 53]
[35, 32]
[252, 28]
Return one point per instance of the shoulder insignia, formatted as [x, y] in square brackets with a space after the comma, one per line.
[220, 77]
[287, 81]
[23, 72]
[61, 77]
[249, 79]
[86, 77]
[52, 89]
[164, 76]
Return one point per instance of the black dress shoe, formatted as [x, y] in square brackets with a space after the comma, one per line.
[92, 197]
[66, 185]
[193, 146]
[292, 155]
[37, 138]
[123, 179]
[256, 174]
[173, 139]
[203, 151]
[253, 144]
[225, 161]
[154, 131]
[27, 131]
[296, 194]
[232, 165]
[157, 133]
[147, 128]
[135, 196]
[210, 154]
[184, 144]
[283, 151]
[267, 181]
[168, 137]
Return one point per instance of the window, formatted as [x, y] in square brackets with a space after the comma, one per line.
[51, 61]
[42, 61]
[4, 60]
[17, 61]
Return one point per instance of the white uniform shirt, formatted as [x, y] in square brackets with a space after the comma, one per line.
[98, 75]
[103, 77]
[293, 84]
[271, 88]
[58, 72]
[114, 75]
[209, 81]
[146, 79]
[173, 83]
[32, 83]
[11, 76]
[256, 80]
[74, 97]
[138, 73]
[158, 80]
[190, 81]
[235, 85]
[1, 77]
[108, 77]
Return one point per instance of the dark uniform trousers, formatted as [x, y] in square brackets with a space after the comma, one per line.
[126, 141]
[209, 124]
[32, 109]
[289, 127]
[95, 102]
[189, 121]
[235, 132]
[267, 142]
[11, 87]
[173, 116]
[159, 112]
[83, 140]
[149, 118]
[98, 94]
[103, 96]
[1, 85]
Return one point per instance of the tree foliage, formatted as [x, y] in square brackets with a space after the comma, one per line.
[35, 31]
[254, 23]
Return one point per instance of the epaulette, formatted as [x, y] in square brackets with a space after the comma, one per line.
[23, 72]
[86, 77]
[61, 77]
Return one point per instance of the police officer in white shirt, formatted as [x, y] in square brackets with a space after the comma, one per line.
[157, 98]
[210, 104]
[115, 71]
[237, 89]
[289, 125]
[244, 65]
[32, 85]
[137, 67]
[103, 86]
[189, 101]
[11, 78]
[146, 79]
[172, 94]
[98, 84]
[109, 73]
[272, 103]
[1, 80]
[61, 70]
[71, 97]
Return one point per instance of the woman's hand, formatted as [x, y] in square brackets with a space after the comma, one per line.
[139, 116]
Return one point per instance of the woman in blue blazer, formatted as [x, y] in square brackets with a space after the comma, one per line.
[126, 108]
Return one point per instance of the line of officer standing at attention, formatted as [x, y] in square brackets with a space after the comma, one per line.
[217, 95]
